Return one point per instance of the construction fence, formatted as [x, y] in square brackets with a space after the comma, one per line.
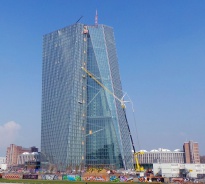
[72, 177]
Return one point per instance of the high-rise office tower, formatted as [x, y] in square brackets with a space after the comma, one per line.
[191, 150]
[83, 122]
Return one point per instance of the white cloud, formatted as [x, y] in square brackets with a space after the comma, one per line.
[9, 133]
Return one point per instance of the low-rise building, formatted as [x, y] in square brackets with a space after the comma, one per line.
[28, 157]
[161, 156]
[14, 151]
[3, 165]
[179, 170]
[2, 160]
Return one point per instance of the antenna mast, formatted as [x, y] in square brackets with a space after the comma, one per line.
[96, 18]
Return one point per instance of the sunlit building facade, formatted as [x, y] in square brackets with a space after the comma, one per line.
[161, 156]
[26, 157]
[13, 151]
[82, 123]
[191, 150]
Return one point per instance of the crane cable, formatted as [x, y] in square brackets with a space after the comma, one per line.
[122, 104]
[135, 122]
[133, 112]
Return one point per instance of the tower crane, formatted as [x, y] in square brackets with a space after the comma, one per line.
[138, 168]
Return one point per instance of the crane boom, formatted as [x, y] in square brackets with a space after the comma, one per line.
[138, 168]
[104, 87]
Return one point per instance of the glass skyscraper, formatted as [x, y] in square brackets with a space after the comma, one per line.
[82, 123]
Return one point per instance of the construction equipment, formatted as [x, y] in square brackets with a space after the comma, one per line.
[95, 79]
[138, 168]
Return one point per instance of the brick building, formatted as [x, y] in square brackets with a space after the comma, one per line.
[14, 151]
[191, 150]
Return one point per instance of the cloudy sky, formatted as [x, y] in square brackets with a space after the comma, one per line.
[161, 52]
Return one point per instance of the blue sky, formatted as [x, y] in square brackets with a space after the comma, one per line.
[161, 52]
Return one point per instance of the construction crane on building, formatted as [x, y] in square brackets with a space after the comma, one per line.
[105, 88]
[138, 168]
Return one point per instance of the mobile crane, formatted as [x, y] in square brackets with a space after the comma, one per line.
[138, 168]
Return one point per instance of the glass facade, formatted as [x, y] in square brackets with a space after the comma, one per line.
[83, 124]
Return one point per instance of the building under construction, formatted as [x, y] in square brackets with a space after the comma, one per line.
[83, 122]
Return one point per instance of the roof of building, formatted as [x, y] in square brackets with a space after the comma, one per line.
[162, 150]
[33, 153]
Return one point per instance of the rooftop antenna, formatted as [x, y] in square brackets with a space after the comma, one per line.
[96, 18]
[79, 19]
